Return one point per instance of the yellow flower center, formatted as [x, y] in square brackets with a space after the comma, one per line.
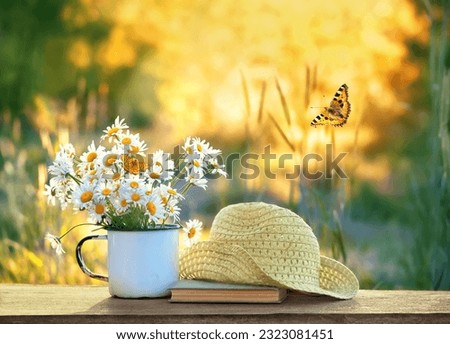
[126, 141]
[123, 203]
[86, 196]
[134, 184]
[91, 156]
[196, 163]
[135, 197]
[106, 192]
[151, 207]
[155, 175]
[116, 176]
[110, 160]
[99, 209]
[164, 200]
[199, 147]
[189, 150]
[134, 149]
[172, 192]
[191, 233]
[112, 131]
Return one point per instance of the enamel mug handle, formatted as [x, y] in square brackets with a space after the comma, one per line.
[80, 259]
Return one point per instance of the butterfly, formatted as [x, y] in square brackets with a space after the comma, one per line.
[338, 111]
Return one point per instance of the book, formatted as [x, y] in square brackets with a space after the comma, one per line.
[198, 291]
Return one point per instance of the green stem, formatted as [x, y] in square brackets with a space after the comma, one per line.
[177, 177]
[79, 225]
[74, 178]
[185, 188]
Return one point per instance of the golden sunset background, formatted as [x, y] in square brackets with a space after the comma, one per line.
[243, 75]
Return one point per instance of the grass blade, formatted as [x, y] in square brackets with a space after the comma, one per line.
[247, 111]
[307, 86]
[283, 135]
[246, 95]
[284, 103]
[261, 102]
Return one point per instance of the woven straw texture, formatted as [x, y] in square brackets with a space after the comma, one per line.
[263, 244]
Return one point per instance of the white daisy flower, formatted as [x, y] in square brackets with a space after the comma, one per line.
[200, 146]
[121, 204]
[139, 147]
[105, 189]
[173, 210]
[89, 158]
[196, 156]
[161, 161]
[191, 152]
[187, 146]
[193, 232]
[134, 182]
[63, 191]
[135, 196]
[83, 196]
[213, 153]
[193, 157]
[111, 132]
[98, 211]
[60, 191]
[148, 185]
[92, 153]
[167, 193]
[131, 143]
[55, 243]
[117, 176]
[198, 166]
[62, 167]
[110, 160]
[68, 149]
[51, 191]
[197, 179]
[155, 173]
[201, 183]
[154, 208]
[215, 167]
[204, 148]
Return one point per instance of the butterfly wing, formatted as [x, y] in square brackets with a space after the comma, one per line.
[338, 112]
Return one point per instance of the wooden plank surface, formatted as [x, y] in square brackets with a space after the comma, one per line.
[93, 304]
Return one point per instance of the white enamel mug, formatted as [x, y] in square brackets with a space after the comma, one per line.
[140, 263]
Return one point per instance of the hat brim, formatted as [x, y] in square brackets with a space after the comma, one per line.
[230, 263]
[336, 279]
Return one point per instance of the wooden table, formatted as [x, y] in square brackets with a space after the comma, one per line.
[92, 304]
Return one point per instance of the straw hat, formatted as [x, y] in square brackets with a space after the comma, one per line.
[263, 244]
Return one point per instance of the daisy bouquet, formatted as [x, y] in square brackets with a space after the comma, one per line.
[122, 188]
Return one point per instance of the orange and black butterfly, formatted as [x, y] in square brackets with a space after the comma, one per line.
[337, 113]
